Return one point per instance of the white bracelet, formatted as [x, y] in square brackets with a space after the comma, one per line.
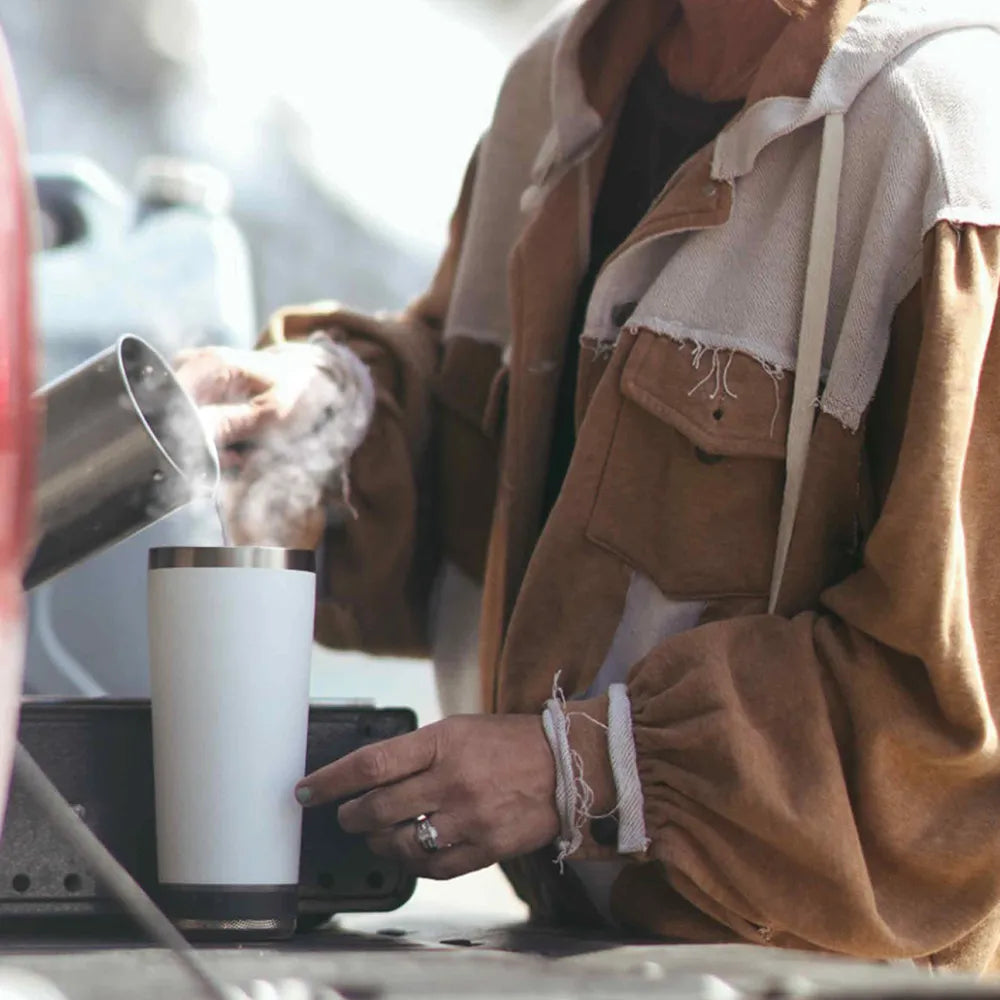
[574, 797]
[632, 837]
[556, 727]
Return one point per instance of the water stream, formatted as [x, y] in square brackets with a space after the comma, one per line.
[216, 500]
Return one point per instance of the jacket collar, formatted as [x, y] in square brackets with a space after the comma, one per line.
[876, 36]
[596, 55]
[816, 67]
[603, 42]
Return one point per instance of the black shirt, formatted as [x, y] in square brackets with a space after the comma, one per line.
[658, 130]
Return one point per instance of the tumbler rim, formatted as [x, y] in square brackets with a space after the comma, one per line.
[231, 557]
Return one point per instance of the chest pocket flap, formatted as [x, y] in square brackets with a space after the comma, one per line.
[692, 486]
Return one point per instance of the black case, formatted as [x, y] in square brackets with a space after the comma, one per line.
[99, 754]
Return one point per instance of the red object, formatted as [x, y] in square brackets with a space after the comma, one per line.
[17, 371]
[17, 420]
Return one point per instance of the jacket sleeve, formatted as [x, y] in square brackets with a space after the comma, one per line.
[379, 554]
[833, 779]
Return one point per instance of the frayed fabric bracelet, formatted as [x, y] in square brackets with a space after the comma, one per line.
[556, 727]
[574, 797]
[632, 837]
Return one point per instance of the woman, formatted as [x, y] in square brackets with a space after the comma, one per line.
[713, 426]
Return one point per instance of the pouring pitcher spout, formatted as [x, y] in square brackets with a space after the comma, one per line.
[123, 448]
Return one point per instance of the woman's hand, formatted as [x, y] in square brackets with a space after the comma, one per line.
[245, 396]
[286, 420]
[487, 783]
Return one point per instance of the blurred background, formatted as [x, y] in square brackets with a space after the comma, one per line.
[343, 128]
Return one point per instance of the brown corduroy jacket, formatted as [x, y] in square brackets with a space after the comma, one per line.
[825, 777]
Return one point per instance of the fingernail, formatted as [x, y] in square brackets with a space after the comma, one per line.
[304, 794]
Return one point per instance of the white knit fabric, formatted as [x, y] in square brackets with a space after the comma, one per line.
[568, 807]
[512, 167]
[455, 612]
[922, 145]
[632, 837]
[649, 618]
[916, 78]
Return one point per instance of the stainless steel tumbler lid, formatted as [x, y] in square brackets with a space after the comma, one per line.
[231, 557]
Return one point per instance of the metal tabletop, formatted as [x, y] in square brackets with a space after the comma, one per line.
[423, 958]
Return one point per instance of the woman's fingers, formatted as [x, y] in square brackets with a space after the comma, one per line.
[213, 375]
[231, 423]
[449, 862]
[370, 767]
[486, 783]
[452, 862]
[383, 808]
[401, 841]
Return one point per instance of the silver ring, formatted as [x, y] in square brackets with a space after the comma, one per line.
[427, 835]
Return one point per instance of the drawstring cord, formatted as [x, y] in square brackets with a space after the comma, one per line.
[812, 334]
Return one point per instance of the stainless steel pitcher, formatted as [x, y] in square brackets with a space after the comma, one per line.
[123, 447]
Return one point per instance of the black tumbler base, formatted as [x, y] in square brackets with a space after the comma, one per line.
[232, 912]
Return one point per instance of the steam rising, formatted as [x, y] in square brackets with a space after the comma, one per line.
[321, 401]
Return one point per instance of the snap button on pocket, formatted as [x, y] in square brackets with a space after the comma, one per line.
[622, 313]
[706, 457]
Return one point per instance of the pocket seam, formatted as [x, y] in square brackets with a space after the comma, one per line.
[720, 442]
[634, 393]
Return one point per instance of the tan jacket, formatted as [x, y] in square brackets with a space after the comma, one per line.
[824, 777]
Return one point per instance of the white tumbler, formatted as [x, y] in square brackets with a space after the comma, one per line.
[230, 641]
